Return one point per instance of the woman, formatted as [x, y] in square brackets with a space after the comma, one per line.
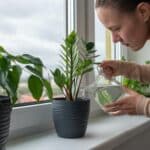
[129, 23]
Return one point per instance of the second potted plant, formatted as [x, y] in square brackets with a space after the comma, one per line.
[11, 68]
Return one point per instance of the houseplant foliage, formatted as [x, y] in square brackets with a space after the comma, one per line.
[11, 68]
[77, 60]
[142, 88]
[70, 113]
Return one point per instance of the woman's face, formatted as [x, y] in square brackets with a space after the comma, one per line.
[130, 30]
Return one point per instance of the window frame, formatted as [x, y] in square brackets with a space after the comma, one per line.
[85, 26]
[28, 119]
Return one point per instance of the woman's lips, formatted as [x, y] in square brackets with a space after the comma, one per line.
[126, 44]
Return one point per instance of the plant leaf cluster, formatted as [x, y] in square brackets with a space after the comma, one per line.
[11, 68]
[77, 58]
[137, 85]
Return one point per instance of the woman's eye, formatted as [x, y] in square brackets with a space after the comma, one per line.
[116, 29]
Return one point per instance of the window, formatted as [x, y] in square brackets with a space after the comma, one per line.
[103, 41]
[22, 30]
[100, 39]
[34, 27]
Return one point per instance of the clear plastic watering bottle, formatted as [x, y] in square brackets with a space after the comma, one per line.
[104, 91]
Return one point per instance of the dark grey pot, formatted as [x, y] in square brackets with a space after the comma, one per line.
[5, 111]
[71, 118]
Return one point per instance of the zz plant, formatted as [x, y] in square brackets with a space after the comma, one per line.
[11, 68]
[76, 60]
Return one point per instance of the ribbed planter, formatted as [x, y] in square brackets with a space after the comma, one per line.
[71, 118]
[5, 111]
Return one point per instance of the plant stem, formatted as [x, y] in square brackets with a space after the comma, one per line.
[78, 86]
[75, 86]
[67, 95]
[71, 73]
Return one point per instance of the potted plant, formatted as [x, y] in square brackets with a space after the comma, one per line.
[70, 113]
[11, 68]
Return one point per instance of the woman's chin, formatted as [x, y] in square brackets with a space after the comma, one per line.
[136, 48]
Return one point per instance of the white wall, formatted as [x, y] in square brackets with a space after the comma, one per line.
[140, 56]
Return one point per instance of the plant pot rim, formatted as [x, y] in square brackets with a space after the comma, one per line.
[78, 99]
[4, 98]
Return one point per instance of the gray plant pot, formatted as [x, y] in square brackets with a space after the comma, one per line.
[71, 118]
[5, 111]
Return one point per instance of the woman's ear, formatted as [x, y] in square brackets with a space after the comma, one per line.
[144, 11]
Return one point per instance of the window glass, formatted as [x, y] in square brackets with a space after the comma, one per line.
[103, 42]
[100, 39]
[35, 27]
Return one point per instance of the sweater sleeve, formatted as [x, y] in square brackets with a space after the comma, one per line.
[140, 73]
[143, 106]
[136, 72]
[144, 73]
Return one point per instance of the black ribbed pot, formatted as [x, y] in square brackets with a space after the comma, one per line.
[5, 111]
[71, 118]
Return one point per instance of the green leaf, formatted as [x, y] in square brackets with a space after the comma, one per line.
[4, 63]
[147, 62]
[71, 39]
[59, 78]
[91, 52]
[134, 84]
[39, 68]
[123, 58]
[3, 77]
[87, 70]
[63, 47]
[14, 77]
[89, 46]
[12, 81]
[2, 50]
[93, 56]
[22, 59]
[48, 88]
[35, 71]
[27, 59]
[35, 86]
[63, 58]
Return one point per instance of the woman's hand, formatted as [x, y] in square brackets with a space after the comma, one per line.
[110, 68]
[114, 68]
[125, 105]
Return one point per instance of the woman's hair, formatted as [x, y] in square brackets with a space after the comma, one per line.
[123, 5]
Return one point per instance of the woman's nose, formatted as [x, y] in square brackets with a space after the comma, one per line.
[116, 38]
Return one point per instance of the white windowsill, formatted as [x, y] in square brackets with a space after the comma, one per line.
[103, 132]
